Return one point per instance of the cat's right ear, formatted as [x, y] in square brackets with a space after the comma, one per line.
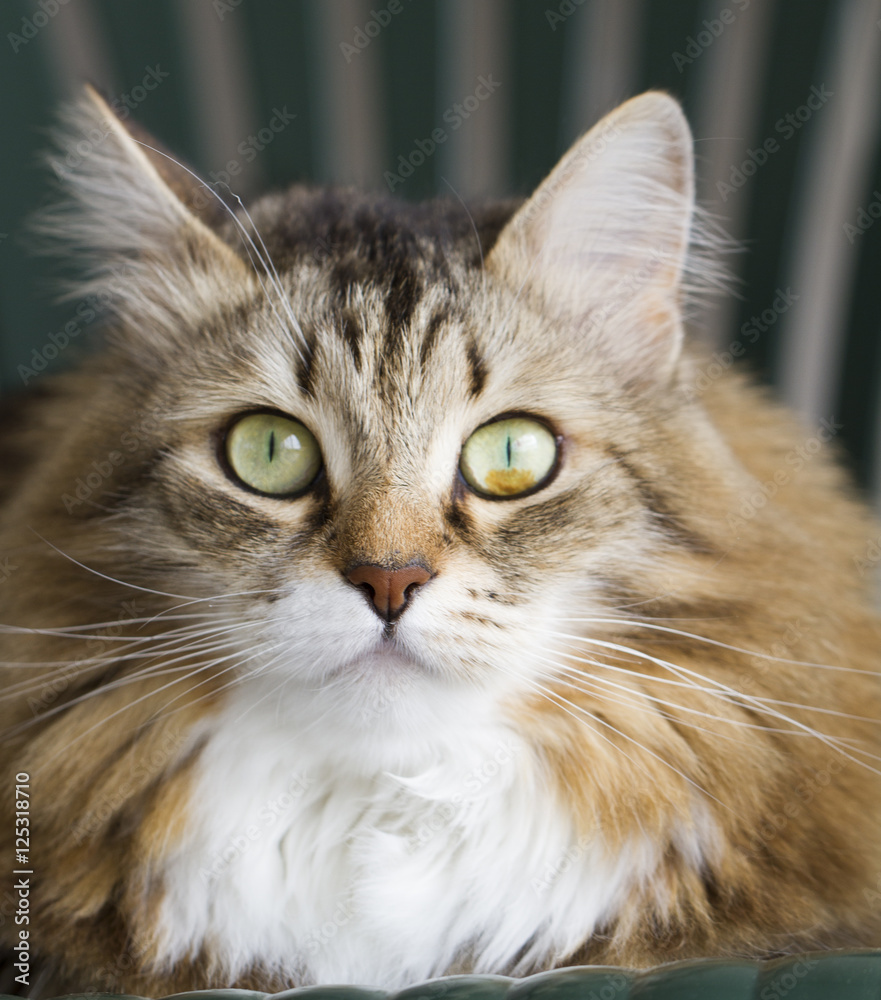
[139, 223]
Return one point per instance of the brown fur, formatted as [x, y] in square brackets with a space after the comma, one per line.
[652, 503]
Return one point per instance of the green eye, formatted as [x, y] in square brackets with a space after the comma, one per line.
[273, 454]
[508, 457]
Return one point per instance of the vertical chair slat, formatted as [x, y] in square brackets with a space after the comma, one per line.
[31, 90]
[799, 37]
[857, 406]
[838, 162]
[349, 112]
[220, 88]
[537, 56]
[282, 62]
[76, 49]
[472, 152]
[408, 52]
[602, 52]
[727, 124]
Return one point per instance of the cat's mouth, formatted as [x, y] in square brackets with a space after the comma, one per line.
[387, 654]
[385, 658]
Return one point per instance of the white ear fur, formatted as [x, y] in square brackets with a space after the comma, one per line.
[601, 244]
[145, 254]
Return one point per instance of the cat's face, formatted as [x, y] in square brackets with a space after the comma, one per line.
[401, 365]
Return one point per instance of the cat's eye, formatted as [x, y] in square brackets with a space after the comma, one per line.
[273, 454]
[508, 458]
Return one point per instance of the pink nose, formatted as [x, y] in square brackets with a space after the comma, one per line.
[388, 589]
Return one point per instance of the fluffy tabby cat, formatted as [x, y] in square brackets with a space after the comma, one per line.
[396, 595]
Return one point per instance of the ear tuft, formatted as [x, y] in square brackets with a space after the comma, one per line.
[130, 220]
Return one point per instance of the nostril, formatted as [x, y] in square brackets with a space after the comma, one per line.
[388, 590]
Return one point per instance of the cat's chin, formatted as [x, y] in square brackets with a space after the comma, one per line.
[382, 692]
[387, 654]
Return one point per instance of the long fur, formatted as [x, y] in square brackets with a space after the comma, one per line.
[633, 716]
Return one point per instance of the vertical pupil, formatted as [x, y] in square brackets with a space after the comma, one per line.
[271, 444]
[508, 449]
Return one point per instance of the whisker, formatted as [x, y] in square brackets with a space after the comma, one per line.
[133, 704]
[104, 576]
[715, 642]
[268, 265]
[562, 702]
[764, 699]
[738, 696]
[471, 219]
[163, 664]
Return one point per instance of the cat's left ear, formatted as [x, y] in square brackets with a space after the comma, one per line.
[601, 245]
[139, 222]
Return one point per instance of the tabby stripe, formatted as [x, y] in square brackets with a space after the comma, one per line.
[458, 517]
[431, 336]
[305, 370]
[352, 334]
[669, 519]
[405, 290]
[478, 369]
[116, 493]
[81, 687]
[228, 522]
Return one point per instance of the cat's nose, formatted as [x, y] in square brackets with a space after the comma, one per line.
[388, 589]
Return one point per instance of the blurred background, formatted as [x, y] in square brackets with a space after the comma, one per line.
[478, 97]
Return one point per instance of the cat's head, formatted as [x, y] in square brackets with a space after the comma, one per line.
[390, 449]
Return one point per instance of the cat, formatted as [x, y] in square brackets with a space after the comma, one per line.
[395, 594]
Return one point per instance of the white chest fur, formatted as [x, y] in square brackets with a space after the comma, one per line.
[317, 862]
